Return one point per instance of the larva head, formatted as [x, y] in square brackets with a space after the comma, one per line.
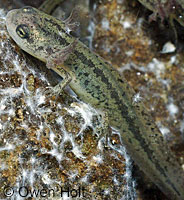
[35, 32]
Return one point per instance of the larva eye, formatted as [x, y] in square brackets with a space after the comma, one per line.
[27, 9]
[22, 31]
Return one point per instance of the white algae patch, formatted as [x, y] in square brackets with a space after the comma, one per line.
[173, 109]
[168, 48]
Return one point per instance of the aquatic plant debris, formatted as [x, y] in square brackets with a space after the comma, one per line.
[48, 145]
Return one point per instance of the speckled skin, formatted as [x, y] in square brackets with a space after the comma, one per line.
[166, 9]
[97, 83]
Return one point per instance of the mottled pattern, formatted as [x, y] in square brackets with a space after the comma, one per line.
[97, 83]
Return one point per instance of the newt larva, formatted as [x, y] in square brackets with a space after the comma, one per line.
[97, 83]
